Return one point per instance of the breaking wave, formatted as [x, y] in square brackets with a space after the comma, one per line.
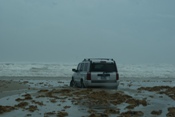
[65, 70]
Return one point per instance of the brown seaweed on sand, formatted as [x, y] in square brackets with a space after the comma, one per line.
[62, 114]
[22, 104]
[161, 90]
[4, 109]
[32, 108]
[132, 114]
[154, 112]
[171, 112]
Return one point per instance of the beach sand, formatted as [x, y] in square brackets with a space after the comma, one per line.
[10, 87]
[52, 97]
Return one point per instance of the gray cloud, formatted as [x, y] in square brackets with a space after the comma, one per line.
[139, 31]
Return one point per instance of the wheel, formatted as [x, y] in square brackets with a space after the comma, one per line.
[116, 87]
[82, 84]
[72, 83]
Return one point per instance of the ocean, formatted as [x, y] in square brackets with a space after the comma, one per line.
[65, 70]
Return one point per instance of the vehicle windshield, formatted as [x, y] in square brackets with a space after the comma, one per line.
[103, 67]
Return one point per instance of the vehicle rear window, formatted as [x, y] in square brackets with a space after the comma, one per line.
[103, 67]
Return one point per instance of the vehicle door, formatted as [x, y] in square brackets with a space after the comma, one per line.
[77, 74]
[81, 71]
[84, 71]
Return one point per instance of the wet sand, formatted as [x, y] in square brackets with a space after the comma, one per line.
[10, 87]
[52, 97]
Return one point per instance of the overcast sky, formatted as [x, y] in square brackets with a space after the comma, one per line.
[130, 31]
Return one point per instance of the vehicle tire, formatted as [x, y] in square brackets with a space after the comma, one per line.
[116, 87]
[72, 83]
[82, 84]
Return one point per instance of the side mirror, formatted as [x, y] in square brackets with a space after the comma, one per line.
[74, 70]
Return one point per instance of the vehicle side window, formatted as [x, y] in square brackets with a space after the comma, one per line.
[79, 66]
[82, 65]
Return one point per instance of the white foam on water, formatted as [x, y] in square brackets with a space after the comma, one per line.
[65, 70]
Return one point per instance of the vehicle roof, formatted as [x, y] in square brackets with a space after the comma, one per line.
[99, 60]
